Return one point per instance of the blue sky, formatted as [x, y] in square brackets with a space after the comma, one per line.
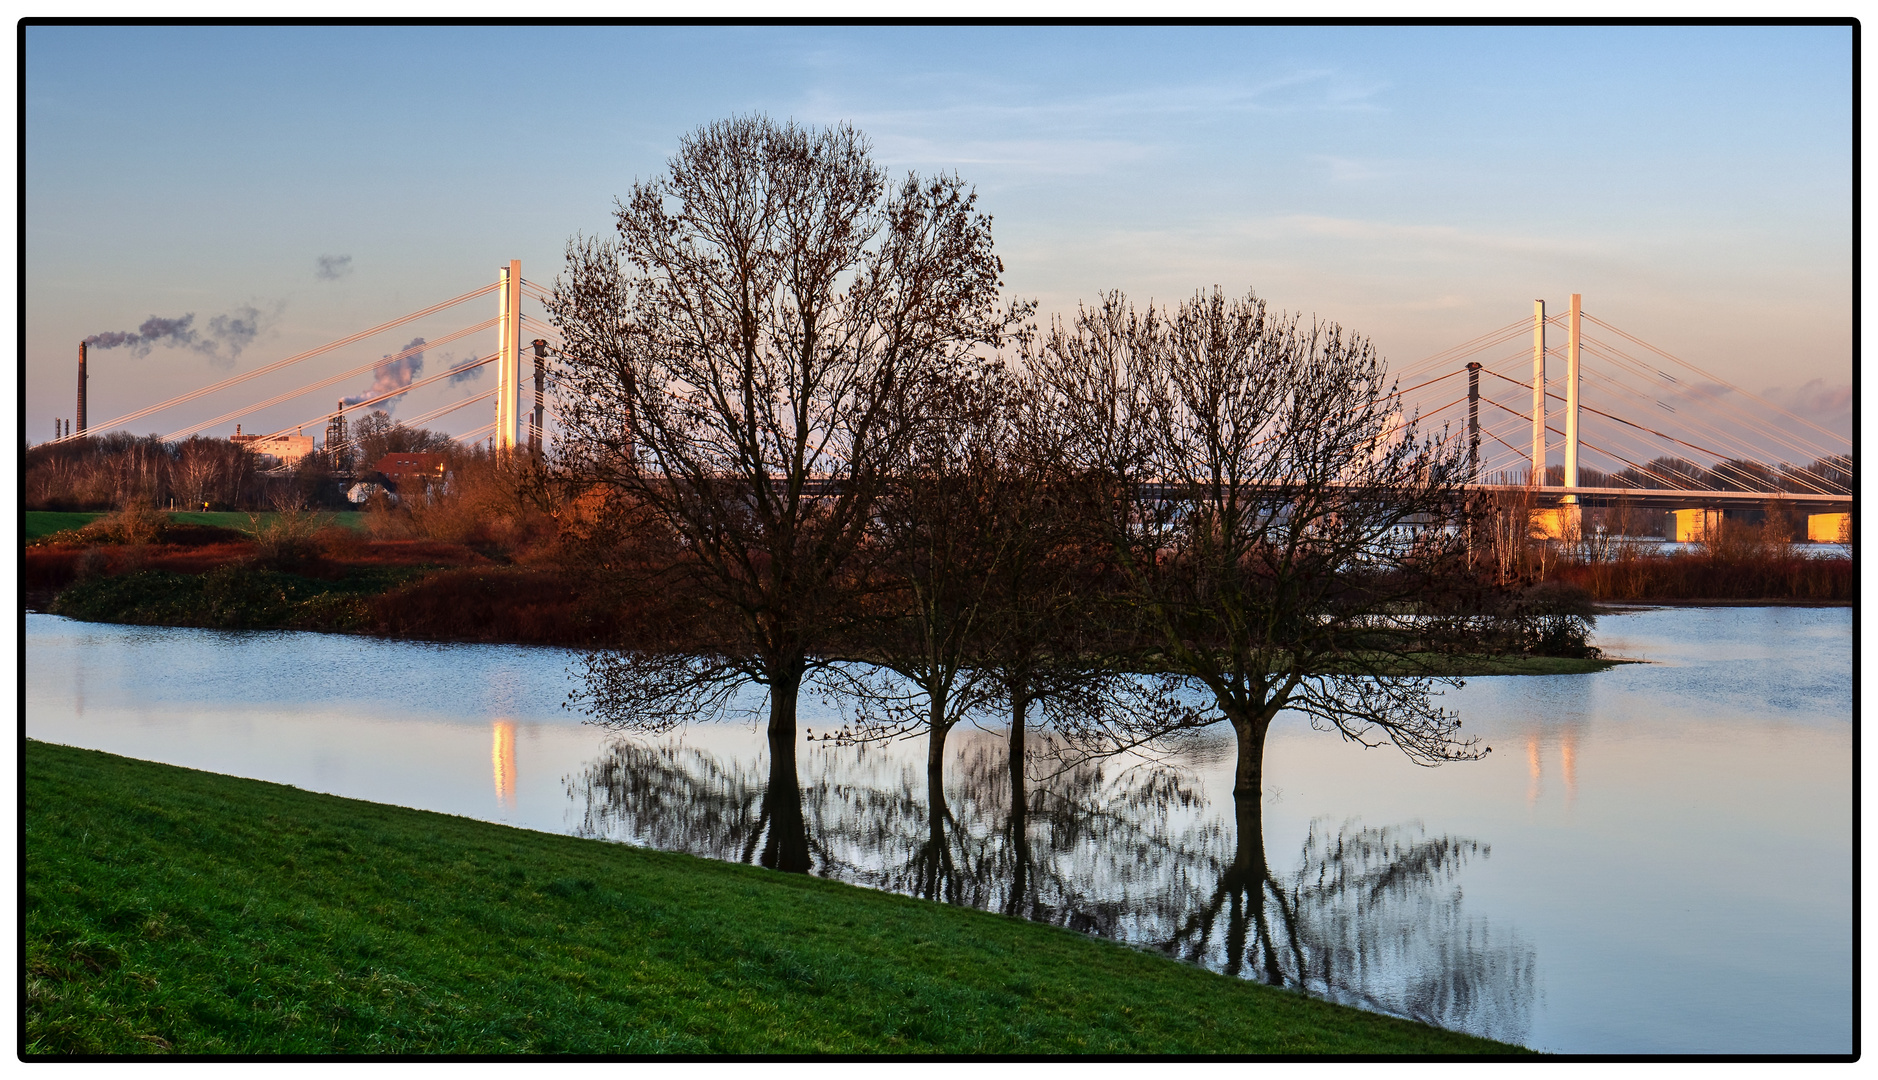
[1420, 185]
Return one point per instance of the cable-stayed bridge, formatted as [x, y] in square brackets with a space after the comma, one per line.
[1625, 419]
[1622, 418]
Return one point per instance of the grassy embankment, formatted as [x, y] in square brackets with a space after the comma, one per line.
[169, 910]
[38, 524]
[326, 574]
[1435, 664]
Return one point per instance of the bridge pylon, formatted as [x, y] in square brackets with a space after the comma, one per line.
[1571, 399]
[509, 356]
[1538, 393]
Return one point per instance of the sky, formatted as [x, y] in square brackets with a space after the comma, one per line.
[286, 187]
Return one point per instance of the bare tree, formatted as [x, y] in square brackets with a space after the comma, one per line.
[1277, 521]
[1045, 638]
[752, 353]
[939, 536]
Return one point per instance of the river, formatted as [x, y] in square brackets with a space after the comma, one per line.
[1657, 858]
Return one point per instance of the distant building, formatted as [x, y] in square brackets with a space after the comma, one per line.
[412, 474]
[361, 493]
[285, 449]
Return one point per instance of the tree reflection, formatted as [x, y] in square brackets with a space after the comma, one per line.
[1369, 916]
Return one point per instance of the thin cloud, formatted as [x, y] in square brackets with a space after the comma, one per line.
[332, 267]
[1433, 236]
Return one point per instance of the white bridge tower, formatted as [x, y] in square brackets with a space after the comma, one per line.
[509, 356]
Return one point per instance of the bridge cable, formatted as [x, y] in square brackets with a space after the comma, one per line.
[1717, 378]
[1645, 470]
[278, 364]
[1787, 439]
[341, 377]
[425, 418]
[1747, 451]
[405, 389]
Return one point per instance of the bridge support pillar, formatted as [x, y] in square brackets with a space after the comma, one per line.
[1564, 522]
[1571, 399]
[509, 356]
[1829, 528]
[1538, 393]
[1694, 525]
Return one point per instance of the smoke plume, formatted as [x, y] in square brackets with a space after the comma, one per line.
[463, 372]
[392, 374]
[332, 267]
[227, 336]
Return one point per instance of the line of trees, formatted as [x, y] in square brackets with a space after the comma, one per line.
[1155, 519]
[118, 470]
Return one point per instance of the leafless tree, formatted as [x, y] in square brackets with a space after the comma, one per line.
[940, 531]
[1278, 522]
[752, 353]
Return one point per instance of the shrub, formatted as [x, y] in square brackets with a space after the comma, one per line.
[287, 541]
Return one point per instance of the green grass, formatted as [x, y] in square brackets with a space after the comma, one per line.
[39, 523]
[231, 597]
[231, 519]
[1510, 664]
[169, 910]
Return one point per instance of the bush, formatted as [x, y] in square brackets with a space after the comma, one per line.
[287, 542]
[1727, 571]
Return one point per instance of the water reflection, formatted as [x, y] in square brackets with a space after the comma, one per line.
[1366, 916]
[1568, 763]
[1534, 770]
[502, 761]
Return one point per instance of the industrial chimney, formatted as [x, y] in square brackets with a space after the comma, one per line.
[81, 388]
[534, 426]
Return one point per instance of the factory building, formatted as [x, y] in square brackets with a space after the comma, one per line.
[284, 449]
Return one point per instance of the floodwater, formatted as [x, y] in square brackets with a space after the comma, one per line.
[1653, 859]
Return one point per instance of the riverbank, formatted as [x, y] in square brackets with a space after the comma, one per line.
[487, 606]
[174, 911]
[311, 573]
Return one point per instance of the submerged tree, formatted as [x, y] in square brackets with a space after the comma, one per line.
[1278, 523]
[749, 357]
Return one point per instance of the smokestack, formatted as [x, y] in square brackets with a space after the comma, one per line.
[534, 427]
[1473, 423]
[81, 388]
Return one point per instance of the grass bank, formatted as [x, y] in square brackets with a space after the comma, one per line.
[232, 597]
[1511, 664]
[174, 911]
[38, 524]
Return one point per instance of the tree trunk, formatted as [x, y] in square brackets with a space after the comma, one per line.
[1248, 777]
[785, 689]
[1020, 706]
[936, 731]
[1019, 829]
[786, 848]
